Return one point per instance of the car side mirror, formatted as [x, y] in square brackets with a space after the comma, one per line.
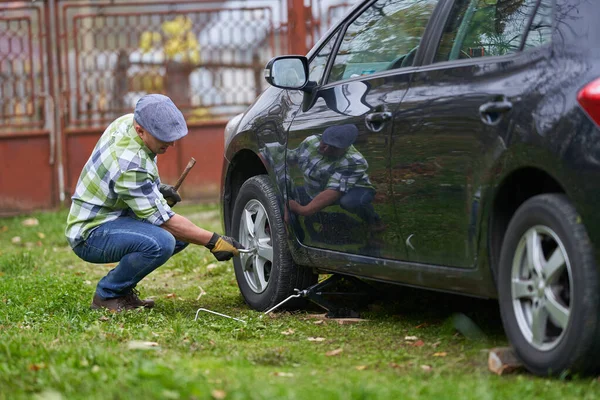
[287, 72]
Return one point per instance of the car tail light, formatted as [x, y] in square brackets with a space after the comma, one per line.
[589, 99]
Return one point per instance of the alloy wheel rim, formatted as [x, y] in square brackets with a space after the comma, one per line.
[541, 287]
[255, 233]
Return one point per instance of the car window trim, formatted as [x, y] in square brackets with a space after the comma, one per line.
[331, 31]
[344, 27]
[380, 74]
[544, 51]
[433, 31]
[529, 23]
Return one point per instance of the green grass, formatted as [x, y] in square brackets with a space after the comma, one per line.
[53, 346]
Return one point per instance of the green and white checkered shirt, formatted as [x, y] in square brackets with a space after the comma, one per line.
[120, 178]
[321, 172]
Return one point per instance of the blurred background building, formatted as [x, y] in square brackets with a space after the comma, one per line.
[69, 67]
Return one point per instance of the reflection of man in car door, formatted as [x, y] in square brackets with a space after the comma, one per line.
[334, 173]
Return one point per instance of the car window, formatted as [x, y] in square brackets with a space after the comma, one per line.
[319, 61]
[385, 36]
[480, 28]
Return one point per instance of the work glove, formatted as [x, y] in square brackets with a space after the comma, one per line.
[170, 194]
[223, 247]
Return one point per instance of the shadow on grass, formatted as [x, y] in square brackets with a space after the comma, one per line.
[470, 316]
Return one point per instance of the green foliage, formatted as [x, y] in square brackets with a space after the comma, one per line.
[52, 346]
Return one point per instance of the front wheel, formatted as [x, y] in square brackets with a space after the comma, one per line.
[267, 275]
[548, 288]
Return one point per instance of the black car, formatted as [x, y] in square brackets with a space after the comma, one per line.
[452, 145]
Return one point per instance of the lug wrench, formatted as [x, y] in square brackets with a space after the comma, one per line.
[242, 251]
[246, 251]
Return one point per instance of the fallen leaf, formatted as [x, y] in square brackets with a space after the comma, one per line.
[104, 318]
[141, 345]
[361, 367]
[211, 266]
[202, 293]
[316, 339]
[171, 295]
[436, 344]
[394, 365]
[218, 394]
[334, 352]
[411, 338]
[30, 222]
[418, 343]
[288, 332]
[286, 374]
[424, 324]
[4, 228]
[48, 394]
[87, 282]
[36, 367]
[440, 354]
[426, 368]
[16, 240]
[41, 235]
[318, 322]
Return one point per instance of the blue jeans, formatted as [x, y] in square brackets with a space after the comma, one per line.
[138, 246]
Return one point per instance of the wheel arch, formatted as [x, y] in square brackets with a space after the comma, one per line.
[516, 188]
[244, 165]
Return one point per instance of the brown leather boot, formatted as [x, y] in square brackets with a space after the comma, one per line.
[130, 301]
[134, 299]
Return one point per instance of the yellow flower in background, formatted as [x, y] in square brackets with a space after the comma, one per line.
[179, 43]
[149, 40]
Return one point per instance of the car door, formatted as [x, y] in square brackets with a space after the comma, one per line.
[362, 84]
[456, 118]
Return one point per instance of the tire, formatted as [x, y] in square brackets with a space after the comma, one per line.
[548, 288]
[269, 275]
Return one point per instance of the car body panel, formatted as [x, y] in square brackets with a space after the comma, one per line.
[349, 102]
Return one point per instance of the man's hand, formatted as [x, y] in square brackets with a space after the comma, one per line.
[170, 194]
[223, 247]
[296, 208]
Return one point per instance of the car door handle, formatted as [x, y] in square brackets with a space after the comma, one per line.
[496, 107]
[379, 116]
[491, 112]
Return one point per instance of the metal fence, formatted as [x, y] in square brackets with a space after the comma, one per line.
[69, 67]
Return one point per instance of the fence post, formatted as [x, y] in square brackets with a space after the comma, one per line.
[299, 30]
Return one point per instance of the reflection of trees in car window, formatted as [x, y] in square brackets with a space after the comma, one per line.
[319, 61]
[382, 34]
[541, 28]
[478, 28]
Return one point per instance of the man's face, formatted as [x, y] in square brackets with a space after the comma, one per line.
[156, 146]
[330, 151]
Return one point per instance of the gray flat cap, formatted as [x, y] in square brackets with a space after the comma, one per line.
[160, 117]
[340, 136]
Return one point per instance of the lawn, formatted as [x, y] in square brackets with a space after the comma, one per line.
[52, 346]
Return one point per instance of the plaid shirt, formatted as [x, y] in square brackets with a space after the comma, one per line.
[120, 178]
[321, 172]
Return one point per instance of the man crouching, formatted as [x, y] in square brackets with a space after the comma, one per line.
[120, 210]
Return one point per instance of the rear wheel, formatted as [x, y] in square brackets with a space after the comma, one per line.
[267, 275]
[548, 288]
